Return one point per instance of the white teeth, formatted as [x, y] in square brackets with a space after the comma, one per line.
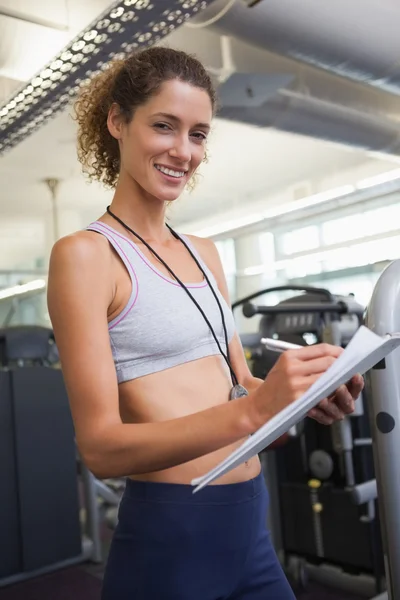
[170, 171]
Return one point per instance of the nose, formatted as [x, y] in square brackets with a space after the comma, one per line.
[181, 149]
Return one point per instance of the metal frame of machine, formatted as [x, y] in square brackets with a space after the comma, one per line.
[34, 416]
[336, 319]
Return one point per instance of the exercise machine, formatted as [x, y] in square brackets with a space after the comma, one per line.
[323, 516]
[40, 520]
[383, 383]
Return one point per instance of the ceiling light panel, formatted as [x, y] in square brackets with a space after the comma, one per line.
[125, 27]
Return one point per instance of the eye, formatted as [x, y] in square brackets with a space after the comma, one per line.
[162, 126]
[200, 136]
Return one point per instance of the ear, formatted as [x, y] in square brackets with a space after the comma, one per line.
[115, 121]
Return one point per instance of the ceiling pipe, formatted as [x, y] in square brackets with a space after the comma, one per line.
[295, 113]
[337, 83]
[341, 37]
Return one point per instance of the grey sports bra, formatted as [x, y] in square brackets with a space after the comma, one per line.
[160, 327]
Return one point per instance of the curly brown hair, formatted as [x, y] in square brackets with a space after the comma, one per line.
[128, 82]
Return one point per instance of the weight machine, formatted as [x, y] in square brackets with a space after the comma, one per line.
[383, 383]
[342, 475]
[40, 525]
[324, 516]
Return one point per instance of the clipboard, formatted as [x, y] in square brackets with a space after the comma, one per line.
[365, 350]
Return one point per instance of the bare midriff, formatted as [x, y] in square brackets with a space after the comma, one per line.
[177, 392]
[180, 391]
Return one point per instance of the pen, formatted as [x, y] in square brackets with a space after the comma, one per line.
[278, 345]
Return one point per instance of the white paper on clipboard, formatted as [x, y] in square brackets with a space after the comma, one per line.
[364, 351]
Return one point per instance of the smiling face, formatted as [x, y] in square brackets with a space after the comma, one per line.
[164, 143]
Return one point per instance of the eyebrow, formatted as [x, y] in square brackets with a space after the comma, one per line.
[177, 119]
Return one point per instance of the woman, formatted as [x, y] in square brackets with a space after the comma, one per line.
[150, 354]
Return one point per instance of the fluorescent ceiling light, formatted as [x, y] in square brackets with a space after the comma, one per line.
[283, 209]
[319, 198]
[230, 225]
[378, 179]
[122, 29]
[17, 290]
[275, 211]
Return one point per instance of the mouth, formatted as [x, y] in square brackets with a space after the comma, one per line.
[171, 174]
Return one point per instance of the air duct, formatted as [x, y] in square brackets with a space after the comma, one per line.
[294, 112]
[359, 40]
[343, 87]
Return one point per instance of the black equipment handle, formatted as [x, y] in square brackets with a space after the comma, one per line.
[249, 309]
[25, 342]
[283, 288]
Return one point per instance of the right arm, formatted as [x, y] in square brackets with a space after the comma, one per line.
[80, 290]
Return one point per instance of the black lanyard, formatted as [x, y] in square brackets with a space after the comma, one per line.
[226, 356]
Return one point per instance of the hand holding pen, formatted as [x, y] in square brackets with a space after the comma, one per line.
[338, 405]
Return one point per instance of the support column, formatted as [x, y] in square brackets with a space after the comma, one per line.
[253, 251]
[383, 394]
[68, 221]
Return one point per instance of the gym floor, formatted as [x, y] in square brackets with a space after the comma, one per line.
[84, 583]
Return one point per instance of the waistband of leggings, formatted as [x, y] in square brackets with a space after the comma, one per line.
[229, 493]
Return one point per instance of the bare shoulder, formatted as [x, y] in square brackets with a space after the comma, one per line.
[209, 253]
[207, 250]
[80, 248]
[79, 293]
[80, 270]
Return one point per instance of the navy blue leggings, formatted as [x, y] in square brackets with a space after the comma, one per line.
[171, 544]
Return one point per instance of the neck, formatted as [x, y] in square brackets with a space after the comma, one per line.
[140, 211]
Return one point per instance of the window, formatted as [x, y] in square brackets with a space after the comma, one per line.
[300, 240]
[353, 227]
[226, 249]
[267, 247]
[342, 230]
[382, 219]
[301, 267]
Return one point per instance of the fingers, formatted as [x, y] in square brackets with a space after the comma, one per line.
[355, 386]
[301, 384]
[326, 413]
[341, 403]
[310, 367]
[333, 409]
[336, 407]
[319, 415]
[344, 400]
[315, 351]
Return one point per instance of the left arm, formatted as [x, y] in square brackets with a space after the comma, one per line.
[329, 410]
